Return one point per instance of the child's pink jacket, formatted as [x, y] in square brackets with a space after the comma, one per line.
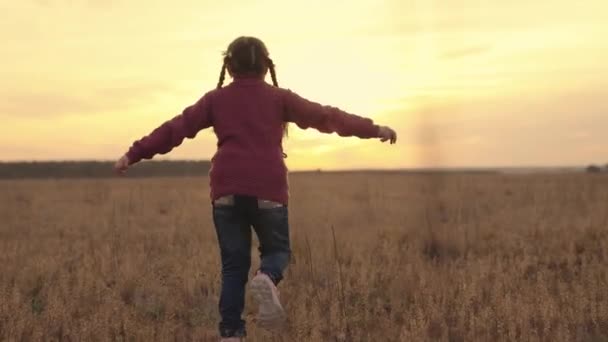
[247, 117]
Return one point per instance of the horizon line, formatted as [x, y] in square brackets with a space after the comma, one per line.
[495, 167]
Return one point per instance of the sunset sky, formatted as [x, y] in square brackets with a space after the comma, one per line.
[464, 83]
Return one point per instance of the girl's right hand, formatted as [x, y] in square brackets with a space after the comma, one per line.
[121, 165]
[386, 133]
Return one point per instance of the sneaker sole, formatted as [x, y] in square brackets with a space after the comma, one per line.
[271, 314]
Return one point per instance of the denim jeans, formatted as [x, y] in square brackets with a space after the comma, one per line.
[233, 226]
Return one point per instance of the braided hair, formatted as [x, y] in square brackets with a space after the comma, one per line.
[248, 56]
[273, 74]
[222, 75]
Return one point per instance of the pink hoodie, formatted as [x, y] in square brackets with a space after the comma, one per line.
[248, 117]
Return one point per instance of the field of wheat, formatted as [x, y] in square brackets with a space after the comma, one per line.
[377, 257]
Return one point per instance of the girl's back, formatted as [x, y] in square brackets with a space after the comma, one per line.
[248, 120]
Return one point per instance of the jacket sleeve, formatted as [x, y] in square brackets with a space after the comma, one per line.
[171, 133]
[326, 119]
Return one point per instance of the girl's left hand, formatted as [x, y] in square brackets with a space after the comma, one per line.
[121, 165]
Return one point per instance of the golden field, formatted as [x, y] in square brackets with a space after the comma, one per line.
[452, 257]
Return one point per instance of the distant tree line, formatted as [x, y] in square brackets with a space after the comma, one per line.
[101, 169]
[597, 169]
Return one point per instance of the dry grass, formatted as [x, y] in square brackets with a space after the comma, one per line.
[446, 258]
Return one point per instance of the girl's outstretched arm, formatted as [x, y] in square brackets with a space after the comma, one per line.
[170, 134]
[328, 119]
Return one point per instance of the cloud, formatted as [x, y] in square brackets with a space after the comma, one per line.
[82, 3]
[44, 3]
[560, 129]
[468, 51]
[53, 103]
[42, 105]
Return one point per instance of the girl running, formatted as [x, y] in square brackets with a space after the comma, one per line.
[248, 176]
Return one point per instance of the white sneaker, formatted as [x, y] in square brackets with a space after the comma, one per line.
[270, 314]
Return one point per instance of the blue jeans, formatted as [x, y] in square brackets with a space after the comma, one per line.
[233, 226]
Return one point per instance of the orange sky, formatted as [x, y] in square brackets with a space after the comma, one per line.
[465, 83]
